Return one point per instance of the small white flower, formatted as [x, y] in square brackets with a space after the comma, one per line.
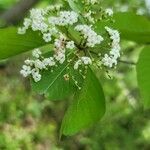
[36, 75]
[39, 64]
[34, 70]
[86, 60]
[90, 35]
[29, 62]
[36, 53]
[26, 71]
[109, 61]
[22, 30]
[53, 31]
[59, 43]
[36, 14]
[49, 62]
[70, 45]
[76, 65]
[60, 57]
[89, 17]
[47, 37]
[27, 23]
[109, 12]
[38, 25]
[83, 60]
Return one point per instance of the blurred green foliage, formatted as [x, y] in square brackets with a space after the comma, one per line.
[30, 122]
[7, 3]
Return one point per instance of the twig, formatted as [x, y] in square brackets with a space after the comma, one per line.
[121, 61]
[17, 12]
[94, 53]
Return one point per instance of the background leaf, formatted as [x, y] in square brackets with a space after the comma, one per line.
[143, 75]
[12, 43]
[87, 108]
[131, 26]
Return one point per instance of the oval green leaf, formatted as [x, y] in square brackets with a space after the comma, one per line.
[87, 108]
[143, 76]
[131, 27]
[12, 43]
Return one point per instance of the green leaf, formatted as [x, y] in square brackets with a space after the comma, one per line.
[143, 75]
[77, 6]
[53, 84]
[12, 43]
[131, 26]
[87, 108]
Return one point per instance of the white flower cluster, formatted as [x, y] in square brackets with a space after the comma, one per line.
[83, 60]
[36, 21]
[33, 67]
[64, 18]
[111, 59]
[60, 49]
[91, 36]
[39, 22]
[66, 47]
